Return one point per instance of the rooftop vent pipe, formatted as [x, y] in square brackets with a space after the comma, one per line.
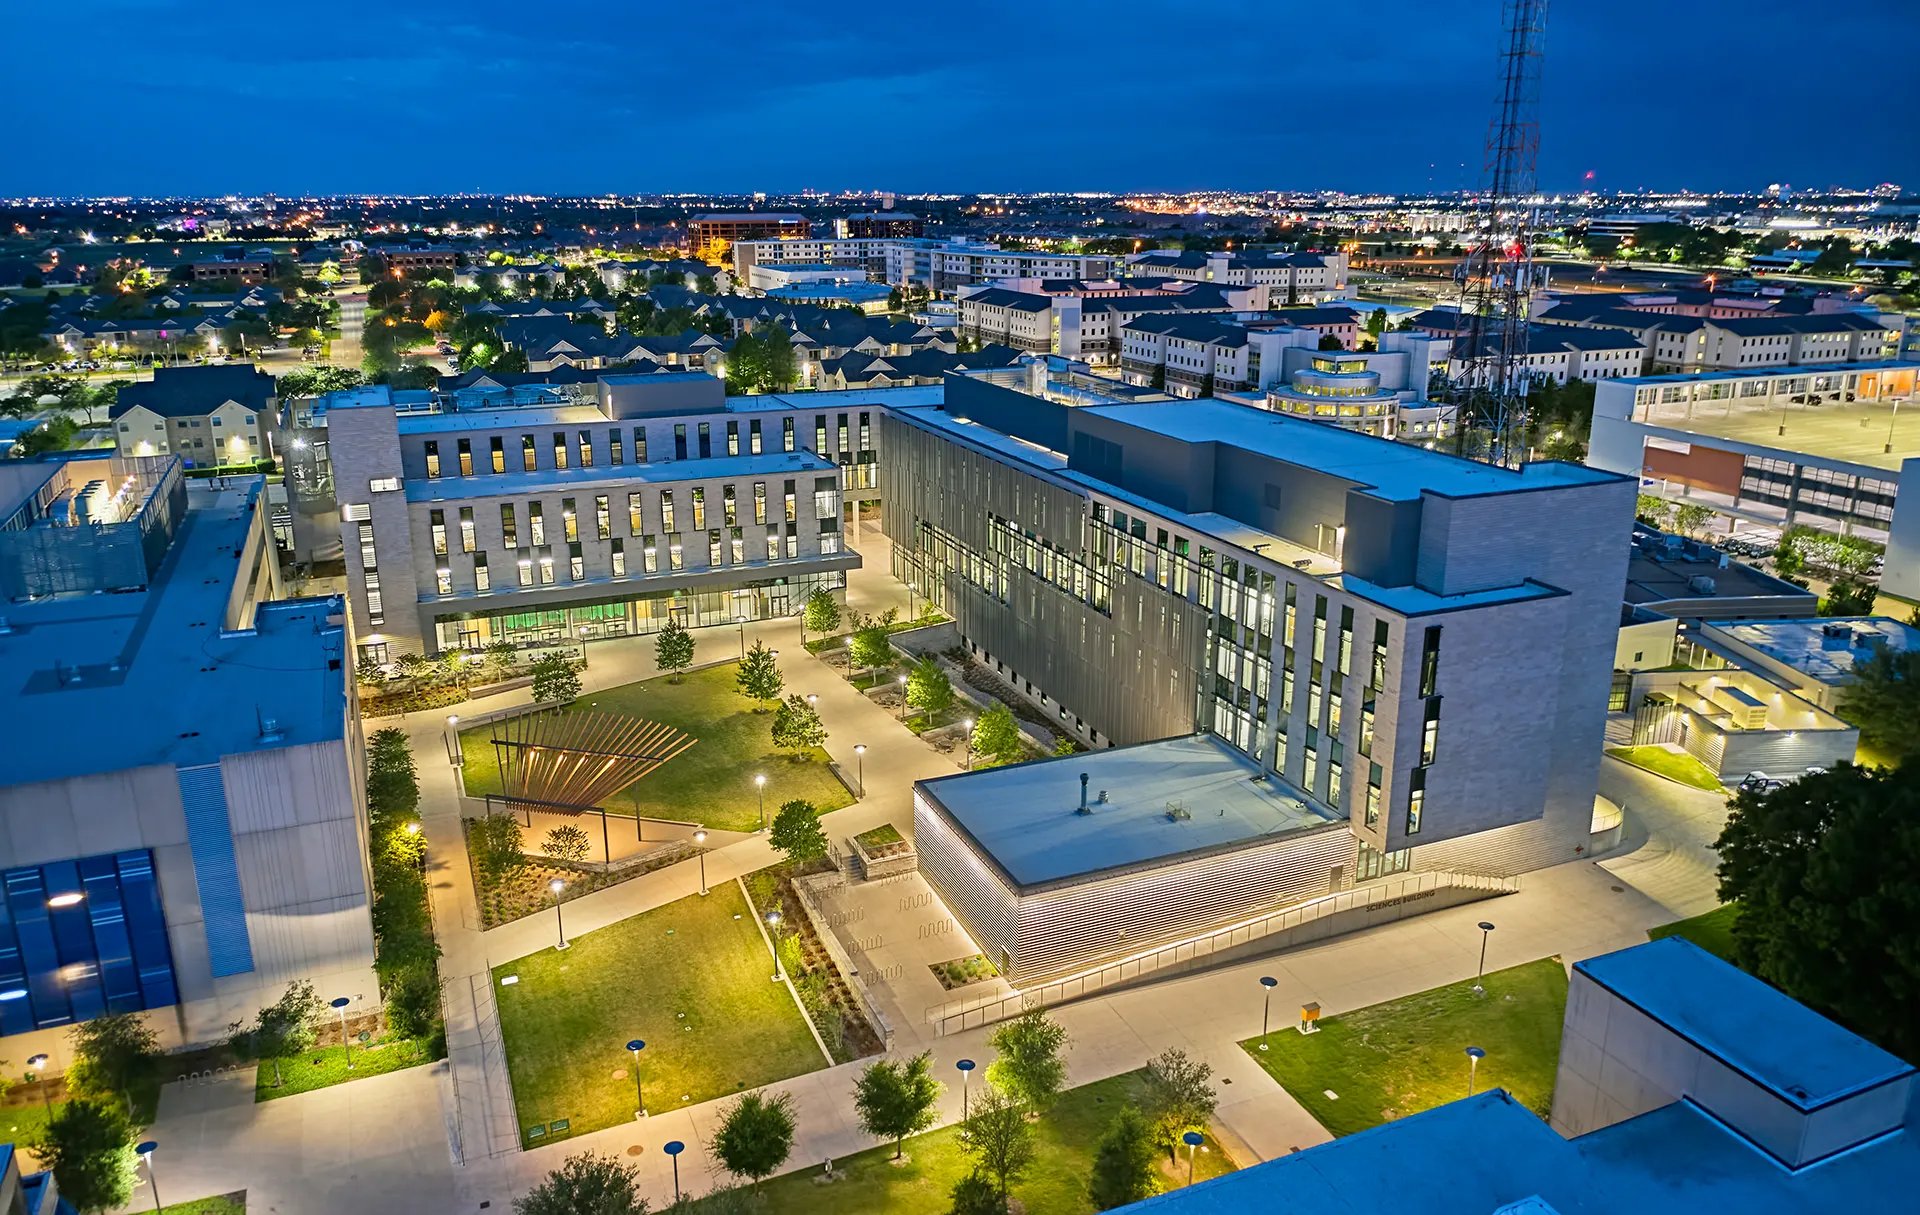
[1083, 796]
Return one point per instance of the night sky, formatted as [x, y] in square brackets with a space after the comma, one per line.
[567, 96]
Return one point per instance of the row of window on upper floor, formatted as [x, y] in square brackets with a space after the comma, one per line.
[849, 435]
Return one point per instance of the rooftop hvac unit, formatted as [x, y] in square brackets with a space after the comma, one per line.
[1701, 584]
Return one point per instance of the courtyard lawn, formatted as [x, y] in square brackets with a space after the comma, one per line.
[1394, 1059]
[711, 783]
[1674, 765]
[325, 1067]
[1064, 1142]
[1711, 931]
[692, 980]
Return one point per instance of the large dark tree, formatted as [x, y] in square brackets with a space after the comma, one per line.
[1884, 700]
[1823, 871]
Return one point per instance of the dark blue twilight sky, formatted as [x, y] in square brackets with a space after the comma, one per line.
[209, 96]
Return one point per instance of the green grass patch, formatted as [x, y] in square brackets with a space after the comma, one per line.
[692, 979]
[869, 678]
[1711, 931]
[1064, 1142]
[1674, 765]
[880, 837]
[225, 1204]
[324, 1068]
[1395, 1059]
[24, 1120]
[961, 971]
[711, 783]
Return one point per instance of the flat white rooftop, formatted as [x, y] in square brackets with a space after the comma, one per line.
[1759, 1031]
[1805, 646]
[1166, 801]
[1396, 471]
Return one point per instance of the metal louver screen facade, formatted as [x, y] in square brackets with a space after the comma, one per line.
[223, 909]
[1066, 926]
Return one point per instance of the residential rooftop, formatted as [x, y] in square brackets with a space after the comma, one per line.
[1026, 816]
[105, 682]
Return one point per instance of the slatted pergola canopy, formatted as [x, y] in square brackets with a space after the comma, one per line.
[579, 760]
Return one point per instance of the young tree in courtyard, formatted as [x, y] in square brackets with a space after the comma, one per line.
[996, 735]
[88, 1145]
[673, 649]
[288, 1026]
[797, 725]
[566, 843]
[871, 647]
[755, 1135]
[112, 1055]
[1180, 1097]
[822, 612]
[1123, 1162]
[975, 1194]
[1884, 700]
[1029, 1067]
[928, 688]
[759, 676]
[587, 1184]
[498, 853]
[797, 832]
[998, 1138]
[554, 680]
[1822, 869]
[895, 1100]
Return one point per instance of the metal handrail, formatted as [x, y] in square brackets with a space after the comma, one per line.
[1068, 987]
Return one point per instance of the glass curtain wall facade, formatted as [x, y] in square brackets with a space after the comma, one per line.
[634, 615]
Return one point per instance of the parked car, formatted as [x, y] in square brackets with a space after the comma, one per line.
[1760, 782]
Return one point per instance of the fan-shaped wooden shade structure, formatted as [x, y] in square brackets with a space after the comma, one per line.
[579, 760]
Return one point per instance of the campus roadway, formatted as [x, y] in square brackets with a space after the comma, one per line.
[443, 1138]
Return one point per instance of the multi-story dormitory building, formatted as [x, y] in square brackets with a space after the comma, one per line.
[1420, 644]
[530, 517]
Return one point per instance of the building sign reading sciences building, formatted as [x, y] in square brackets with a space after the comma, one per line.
[82, 938]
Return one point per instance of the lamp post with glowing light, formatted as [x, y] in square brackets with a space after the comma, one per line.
[967, 725]
[1486, 928]
[673, 1149]
[556, 885]
[741, 621]
[965, 1067]
[639, 1093]
[146, 1151]
[700, 846]
[760, 783]
[1474, 1055]
[457, 755]
[1267, 984]
[1193, 1140]
[860, 767]
[773, 941]
[37, 1076]
[340, 1006]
